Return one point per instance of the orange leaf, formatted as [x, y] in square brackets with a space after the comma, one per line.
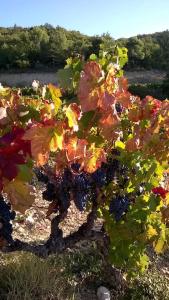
[76, 148]
[108, 123]
[124, 99]
[61, 161]
[94, 158]
[132, 144]
[88, 92]
[40, 138]
[134, 114]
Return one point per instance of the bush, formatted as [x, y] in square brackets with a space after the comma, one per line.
[156, 90]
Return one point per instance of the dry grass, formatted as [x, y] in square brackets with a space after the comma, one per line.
[73, 275]
[63, 277]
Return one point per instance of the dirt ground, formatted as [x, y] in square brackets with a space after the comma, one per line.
[25, 79]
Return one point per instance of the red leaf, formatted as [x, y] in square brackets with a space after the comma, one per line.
[160, 191]
[88, 92]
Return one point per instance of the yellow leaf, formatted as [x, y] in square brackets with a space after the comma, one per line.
[57, 103]
[4, 91]
[159, 246]
[151, 232]
[56, 141]
[119, 144]
[55, 91]
[56, 94]
[94, 158]
[73, 114]
[57, 137]
[20, 195]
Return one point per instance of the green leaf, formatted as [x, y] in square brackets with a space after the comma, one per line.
[64, 78]
[119, 73]
[97, 139]
[86, 119]
[93, 57]
[69, 61]
[89, 118]
[25, 174]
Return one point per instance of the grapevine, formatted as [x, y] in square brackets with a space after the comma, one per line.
[92, 142]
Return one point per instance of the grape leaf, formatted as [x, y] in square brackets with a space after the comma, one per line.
[40, 138]
[57, 138]
[64, 77]
[56, 94]
[20, 195]
[94, 158]
[73, 114]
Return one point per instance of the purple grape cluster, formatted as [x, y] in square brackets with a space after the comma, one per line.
[81, 185]
[50, 193]
[6, 215]
[41, 176]
[81, 190]
[119, 206]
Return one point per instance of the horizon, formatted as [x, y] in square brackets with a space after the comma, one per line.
[121, 20]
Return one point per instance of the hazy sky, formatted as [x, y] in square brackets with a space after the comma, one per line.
[121, 18]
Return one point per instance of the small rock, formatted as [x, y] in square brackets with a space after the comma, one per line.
[30, 220]
[103, 293]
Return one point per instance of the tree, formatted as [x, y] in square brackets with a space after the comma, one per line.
[136, 52]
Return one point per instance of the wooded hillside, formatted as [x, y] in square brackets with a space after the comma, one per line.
[46, 47]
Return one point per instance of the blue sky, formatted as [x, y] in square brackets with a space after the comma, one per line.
[121, 18]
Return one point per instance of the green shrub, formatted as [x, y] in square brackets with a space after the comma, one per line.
[152, 89]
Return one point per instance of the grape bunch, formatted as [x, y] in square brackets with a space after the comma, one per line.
[78, 183]
[113, 169]
[41, 176]
[99, 177]
[59, 189]
[81, 190]
[50, 192]
[63, 189]
[6, 215]
[119, 206]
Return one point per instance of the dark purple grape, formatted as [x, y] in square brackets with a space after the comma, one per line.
[119, 206]
[112, 170]
[80, 199]
[66, 180]
[6, 215]
[75, 167]
[81, 182]
[119, 108]
[41, 176]
[99, 177]
[81, 190]
[50, 193]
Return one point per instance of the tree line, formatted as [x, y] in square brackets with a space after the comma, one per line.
[48, 47]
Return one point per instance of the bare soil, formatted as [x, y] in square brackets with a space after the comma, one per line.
[26, 79]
